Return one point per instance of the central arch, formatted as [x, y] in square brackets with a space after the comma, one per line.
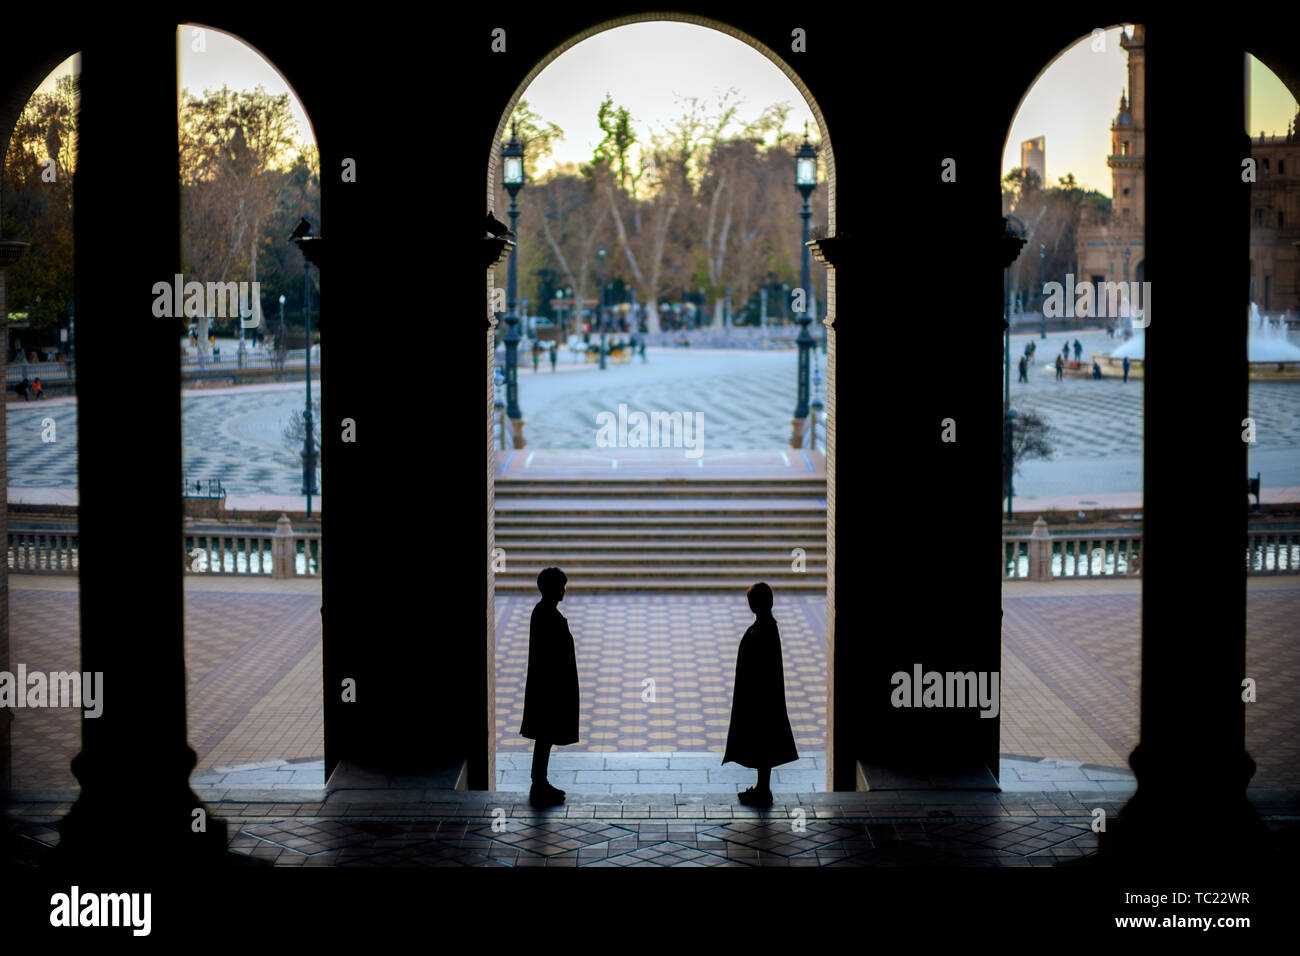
[828, 155]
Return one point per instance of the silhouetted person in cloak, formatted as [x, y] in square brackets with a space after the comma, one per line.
[551, 688]
[760, 735]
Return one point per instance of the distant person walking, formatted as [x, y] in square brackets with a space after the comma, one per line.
[24, 388]
[759, 735]
[1078, 351]
[1060, 368]
[1126, 368]
[551, 695]
[1024, 368]
[554, 350]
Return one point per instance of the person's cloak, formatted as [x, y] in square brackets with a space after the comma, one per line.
[760, 735]
[551, 688]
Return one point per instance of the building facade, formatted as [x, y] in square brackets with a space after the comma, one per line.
[1111, 247]
[1275, 222]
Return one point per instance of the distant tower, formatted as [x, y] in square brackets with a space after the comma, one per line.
[1128, 137]
[1033, 155]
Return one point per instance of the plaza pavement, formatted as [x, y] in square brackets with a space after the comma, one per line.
[1069, 685]
[746, 396]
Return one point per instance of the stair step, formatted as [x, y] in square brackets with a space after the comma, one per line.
[529, 572]
[714, 549]
[740, 534]
[796, 582]
[661, 558]
[512, 517]
[641, 490]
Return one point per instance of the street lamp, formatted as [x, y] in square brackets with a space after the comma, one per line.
[512, 165]
[1013, 241]
[1008, 459]
[805, 181]
[1042, 259]
[302, 237]
[601, 320]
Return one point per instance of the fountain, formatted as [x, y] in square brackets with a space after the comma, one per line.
[1272, 356]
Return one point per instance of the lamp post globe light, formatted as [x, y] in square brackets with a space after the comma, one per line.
[601, 319]
[805, 181]
[512, 166]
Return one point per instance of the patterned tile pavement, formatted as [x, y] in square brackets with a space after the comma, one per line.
[252, 658]
[490, 829]
[1070, 678]
[687, 645]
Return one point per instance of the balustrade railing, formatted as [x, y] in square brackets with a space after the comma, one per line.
[284, 553]
[1046, 556]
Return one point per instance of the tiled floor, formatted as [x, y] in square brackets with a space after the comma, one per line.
[884, 829]
[1069, 688]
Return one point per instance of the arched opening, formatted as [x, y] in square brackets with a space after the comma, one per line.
[1073, 427]
[41, 626]
[507, 624]
[250, 399]
[1272, 450]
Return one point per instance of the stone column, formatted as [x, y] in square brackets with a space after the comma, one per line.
[9, 253]
[135, 808]
[1191, 762]
[1040, 552]
[282, 549]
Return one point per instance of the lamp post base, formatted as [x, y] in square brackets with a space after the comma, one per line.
[517, 432]
[797, 426]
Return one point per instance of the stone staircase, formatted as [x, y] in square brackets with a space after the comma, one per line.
[662, 534]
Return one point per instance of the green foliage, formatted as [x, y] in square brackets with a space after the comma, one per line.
[616, 123]
[38, 211]
[538, 136]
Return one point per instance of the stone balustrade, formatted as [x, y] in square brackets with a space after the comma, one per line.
[282, 553]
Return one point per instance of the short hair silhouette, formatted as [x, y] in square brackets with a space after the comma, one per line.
[551, 582]
[760, 598]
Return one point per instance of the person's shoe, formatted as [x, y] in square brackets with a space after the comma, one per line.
[547, 796]
[554, 789]
[753, 797]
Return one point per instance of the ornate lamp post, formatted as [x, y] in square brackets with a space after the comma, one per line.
[805, 181]
[601, 320]
[1013, 240]
[302, 236]
[1042, 260]
[512, 165]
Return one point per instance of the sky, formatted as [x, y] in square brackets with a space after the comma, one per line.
[642, 66]
[223, 61]
[1074, 101]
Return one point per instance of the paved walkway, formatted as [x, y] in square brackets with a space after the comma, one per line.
[1070, 675]
[356, 828]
